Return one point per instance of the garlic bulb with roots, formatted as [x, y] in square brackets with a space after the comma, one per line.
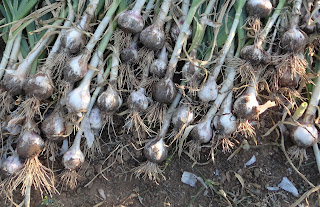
[130, 54]
[156, 152]
[72, 41]
[259, 8]
[153, 37]
[131, 21]
[13, 82]
[255, 54]
[76, 68]
[247, 106]
[138, 100]
[30, 144]
[288, 78]
[79, 98]
[95, 120]
[226, 123]
[109, 101]
[183, 115]
[294, 40]
[39, 86]
[158, 67]
[11, 165]
[209, 91]
[53, 126]
[164, 91]
[73, 158]
[202, 133]
[304, 135]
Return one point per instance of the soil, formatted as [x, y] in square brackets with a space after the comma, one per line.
[228, 182]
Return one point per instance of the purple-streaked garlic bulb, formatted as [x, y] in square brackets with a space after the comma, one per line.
[131, 21]
[209, 91]
[30, 144]
[289, 79]
[247, 106]
[130, 54]
[39, 86]
[156, 151]
[13, 82]
[164, 91]
[72, 41]
[53, 126]
[109, 101]
[138, 100]
[158, 67]
[154, 37]
[175, 29]
[294, 40]
[76, 68]
[255, 55]
[183, 115]
[73, 158]
[259, 8]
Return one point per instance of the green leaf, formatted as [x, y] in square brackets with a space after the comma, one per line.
[198, 36]
[24, 48]
[22, 4]
[4, 13]
[24, 11]
[15, 5]
[32, 38]
[7, 11]
[222, 35]
[9, 3]
[100, 6]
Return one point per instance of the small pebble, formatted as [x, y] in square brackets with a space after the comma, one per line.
[256, 172]
[102, 194]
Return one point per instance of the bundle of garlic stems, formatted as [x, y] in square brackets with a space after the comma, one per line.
[76, 68]
[72, 81]
[208, 92]
[15, 79]
[164, 91]
[21, 12]
[80, 100]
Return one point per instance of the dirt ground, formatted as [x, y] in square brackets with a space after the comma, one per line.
[228, 182]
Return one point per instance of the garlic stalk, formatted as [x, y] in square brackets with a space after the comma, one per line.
[164, 91]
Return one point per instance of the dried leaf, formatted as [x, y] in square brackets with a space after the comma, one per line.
[240, 179]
